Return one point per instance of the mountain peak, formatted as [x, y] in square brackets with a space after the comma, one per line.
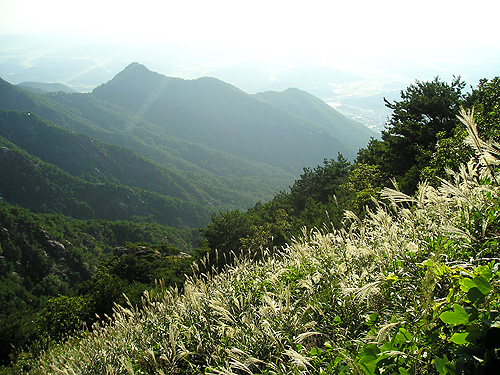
[135, 66]
[136, 70]
[131, 85]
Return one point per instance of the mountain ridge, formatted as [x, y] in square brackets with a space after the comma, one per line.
[310, 108]
[238, 182]
[217, 114]
[45, 87]
[212, 143]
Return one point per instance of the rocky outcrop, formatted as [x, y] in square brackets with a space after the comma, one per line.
[55, 249]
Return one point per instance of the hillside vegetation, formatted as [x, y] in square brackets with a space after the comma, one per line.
[218, 115]
[48, 259]
[411, 288]
[97, 202]
[207, 135]
[339, 274]
[406, 283]
[229, 181]
[312, 109]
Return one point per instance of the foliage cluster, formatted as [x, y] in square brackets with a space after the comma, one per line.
[413, 287]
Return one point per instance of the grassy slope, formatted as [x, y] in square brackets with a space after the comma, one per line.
[372, 295]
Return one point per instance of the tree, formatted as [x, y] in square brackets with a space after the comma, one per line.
[485, 100]
[426, 109]
[63, 315]
[224, 235]
[320, 183]
[451, 151]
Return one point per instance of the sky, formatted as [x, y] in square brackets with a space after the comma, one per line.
[329, 31]
[389, 43]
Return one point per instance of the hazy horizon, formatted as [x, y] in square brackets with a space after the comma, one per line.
[340, 52]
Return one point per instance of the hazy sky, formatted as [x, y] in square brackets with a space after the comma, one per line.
[387, 44]
[327, 31]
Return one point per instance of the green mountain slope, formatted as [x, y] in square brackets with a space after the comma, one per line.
[201, 142]
[49, 256]
[231, 180]
[83, 157]
[42, 187]
[218, 115]
[315, 111]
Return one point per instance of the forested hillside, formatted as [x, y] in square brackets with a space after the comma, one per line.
[310, 108]
[84, 157]
[228, 144]
[45, 259]
[405, 283]
[322, 278]
[40, 87]
[232, 181]
[220, 116]
[423, 139]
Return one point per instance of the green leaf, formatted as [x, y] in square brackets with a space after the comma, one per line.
[368, 357]
[391, 278]
[439, 363]
[455, 317]
[460, 338]
[444, 366]
[402, 371]
[484, 271]
[467, 284]
[368, 351]
[482, 284]
[372, 319]
[475, 295]
[315, 352]
[475, 332]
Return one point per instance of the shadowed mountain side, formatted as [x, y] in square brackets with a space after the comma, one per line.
[315, 111]
[225, 178]
[218, 115]
[42, 187]
[83, 157]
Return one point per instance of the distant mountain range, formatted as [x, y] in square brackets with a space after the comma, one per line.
[171, 150]
[42, 88]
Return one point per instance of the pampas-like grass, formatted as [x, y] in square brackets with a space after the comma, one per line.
[264, 316]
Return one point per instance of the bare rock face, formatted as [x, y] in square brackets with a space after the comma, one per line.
[56, 249]
[120, 250]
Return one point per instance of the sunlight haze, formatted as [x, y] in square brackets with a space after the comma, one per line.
[273, 28]
[257, 46]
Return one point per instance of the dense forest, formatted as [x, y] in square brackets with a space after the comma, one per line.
[384, 263]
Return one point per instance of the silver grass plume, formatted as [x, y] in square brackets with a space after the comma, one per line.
[488, 152]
